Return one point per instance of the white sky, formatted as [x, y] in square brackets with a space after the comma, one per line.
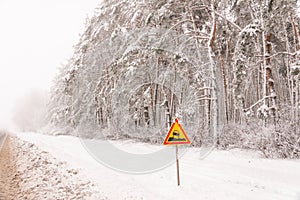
[36, 37]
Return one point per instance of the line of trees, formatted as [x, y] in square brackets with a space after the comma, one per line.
[229, 70]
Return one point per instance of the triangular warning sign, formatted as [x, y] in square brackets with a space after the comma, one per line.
[176, 135]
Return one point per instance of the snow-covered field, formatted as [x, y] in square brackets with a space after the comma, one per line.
[225, 175]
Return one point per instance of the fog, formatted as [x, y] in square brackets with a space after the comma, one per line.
[30, 111]
[36, 38]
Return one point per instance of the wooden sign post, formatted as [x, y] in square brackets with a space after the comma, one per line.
[177, 164]
[176, 136]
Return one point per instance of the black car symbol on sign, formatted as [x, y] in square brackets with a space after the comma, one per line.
[175, 136]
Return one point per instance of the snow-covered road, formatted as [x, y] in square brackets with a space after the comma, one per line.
[225, 175]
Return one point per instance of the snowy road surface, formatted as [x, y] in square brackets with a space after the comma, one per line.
[222, 175]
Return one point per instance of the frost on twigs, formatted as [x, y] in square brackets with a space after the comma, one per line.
[280, 142]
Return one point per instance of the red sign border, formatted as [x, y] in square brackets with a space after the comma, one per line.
[170, 130]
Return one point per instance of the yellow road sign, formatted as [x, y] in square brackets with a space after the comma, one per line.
[176, 135]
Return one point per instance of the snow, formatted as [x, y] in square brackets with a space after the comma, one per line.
[26, 172]
[106, 26]
[263, 111]
[295, 68]
[231, 174]
[135, 16]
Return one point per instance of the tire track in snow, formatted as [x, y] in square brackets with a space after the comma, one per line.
[3, 137]
[8, 185]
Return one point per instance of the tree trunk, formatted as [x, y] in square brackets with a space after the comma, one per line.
[214, 125]
[223, 71]
[269, 81]
[295, 78]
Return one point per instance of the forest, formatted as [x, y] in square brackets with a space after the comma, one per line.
[228, 70]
